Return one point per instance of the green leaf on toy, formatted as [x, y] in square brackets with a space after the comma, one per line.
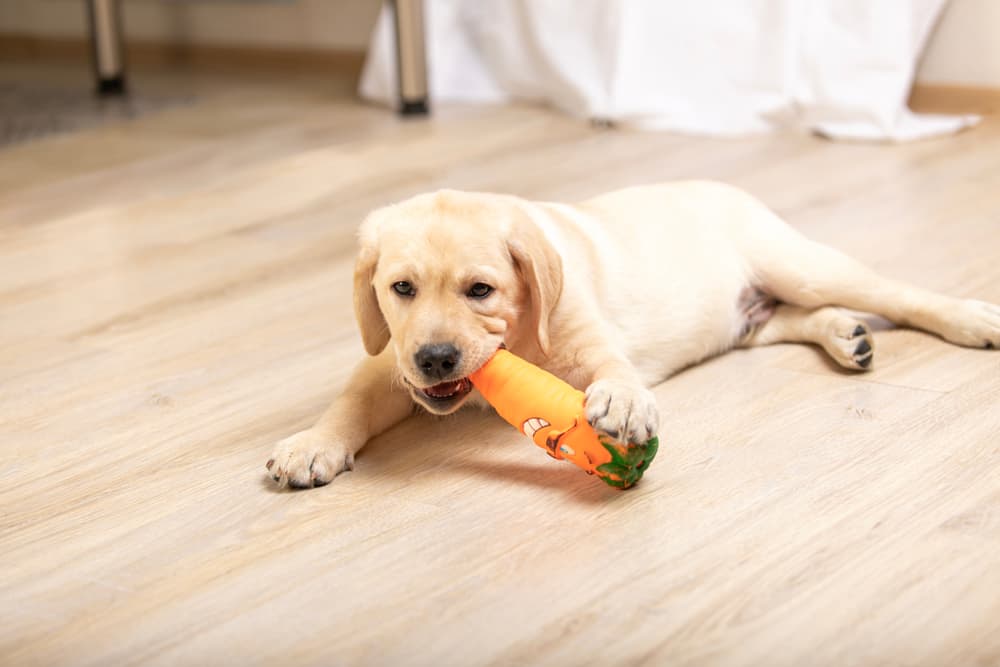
[627, 464]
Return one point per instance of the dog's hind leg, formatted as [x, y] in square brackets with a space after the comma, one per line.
[846, 339]
[801, 272]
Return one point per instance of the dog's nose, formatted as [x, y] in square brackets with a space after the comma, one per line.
[437, 361]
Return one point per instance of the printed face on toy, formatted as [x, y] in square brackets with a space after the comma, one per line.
[446, 290]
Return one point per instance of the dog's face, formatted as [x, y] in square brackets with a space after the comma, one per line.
[446, 278]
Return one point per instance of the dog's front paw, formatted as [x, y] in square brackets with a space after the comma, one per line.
[622, 411]
[308, 459]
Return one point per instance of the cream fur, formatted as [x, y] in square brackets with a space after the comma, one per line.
[613, 294]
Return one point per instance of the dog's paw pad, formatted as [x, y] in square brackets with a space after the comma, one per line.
[863, 353]
[844, 346]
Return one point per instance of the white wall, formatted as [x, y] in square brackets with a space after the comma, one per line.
[320, 24]
[965, 47]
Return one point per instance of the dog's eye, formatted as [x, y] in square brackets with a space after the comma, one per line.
[403, 288]
[479, 291]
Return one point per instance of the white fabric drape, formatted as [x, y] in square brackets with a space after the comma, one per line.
[842, 68]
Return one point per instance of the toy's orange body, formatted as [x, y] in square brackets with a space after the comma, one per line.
[551, 413]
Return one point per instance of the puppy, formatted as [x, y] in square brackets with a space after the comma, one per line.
[612, 295]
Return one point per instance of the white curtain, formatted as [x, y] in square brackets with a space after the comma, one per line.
[842, 68]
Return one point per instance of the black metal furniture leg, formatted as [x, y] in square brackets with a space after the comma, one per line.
[411, 57]
[106, 46]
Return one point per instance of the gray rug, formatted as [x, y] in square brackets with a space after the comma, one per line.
[33, 111]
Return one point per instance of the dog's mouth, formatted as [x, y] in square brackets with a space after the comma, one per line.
[445, 396]
[447, 391]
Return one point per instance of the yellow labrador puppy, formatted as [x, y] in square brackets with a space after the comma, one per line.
[612, 295]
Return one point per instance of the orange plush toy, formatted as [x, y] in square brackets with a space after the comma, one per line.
[551, 413]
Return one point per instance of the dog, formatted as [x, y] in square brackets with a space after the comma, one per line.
[612, 295]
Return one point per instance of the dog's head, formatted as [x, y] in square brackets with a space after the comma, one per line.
[446, 278]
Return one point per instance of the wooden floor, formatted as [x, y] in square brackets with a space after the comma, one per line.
[175, 297]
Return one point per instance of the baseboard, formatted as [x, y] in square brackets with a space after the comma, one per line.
[925, 97]
[947, 98]
[137, 52]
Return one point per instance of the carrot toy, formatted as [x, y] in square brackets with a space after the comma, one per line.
[551, 413]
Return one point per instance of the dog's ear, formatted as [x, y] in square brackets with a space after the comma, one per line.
[374, 329]
[541, 271]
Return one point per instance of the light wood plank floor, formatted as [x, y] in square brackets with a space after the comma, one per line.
[175, 297]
